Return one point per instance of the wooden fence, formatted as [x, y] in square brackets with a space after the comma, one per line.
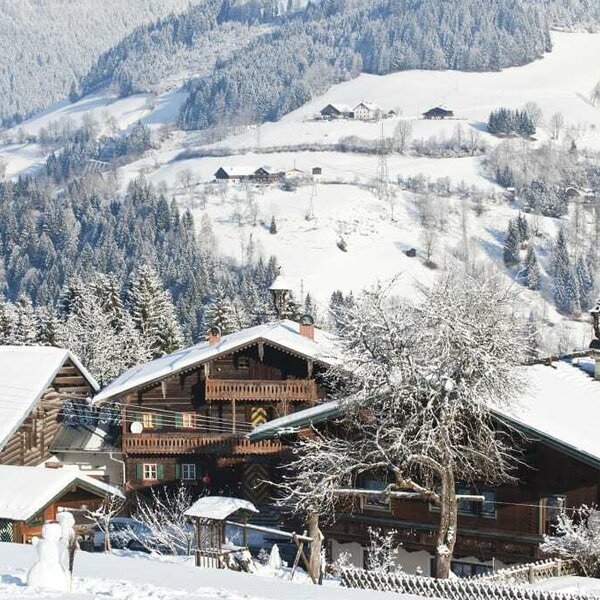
[530, 572]
[449, 589]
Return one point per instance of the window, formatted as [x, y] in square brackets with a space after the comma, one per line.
[150, 471]
[487, 508]
[148, 420]
[550, 507]
[465, 569]
[188, 471]
[378, 502]
[243, 363]
[187, 420]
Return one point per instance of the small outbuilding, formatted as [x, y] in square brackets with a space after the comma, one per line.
[31, 495]
[438, 113]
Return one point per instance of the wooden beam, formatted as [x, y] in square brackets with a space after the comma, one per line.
[399, 494]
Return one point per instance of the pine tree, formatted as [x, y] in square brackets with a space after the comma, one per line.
[273, 226]
[523, 228]
[511, 245]
[153, 313]
[7, 322]
[531, 270]
[25, 330]
[49, 327]
[221, 313]
[585, 283]
[566, 292]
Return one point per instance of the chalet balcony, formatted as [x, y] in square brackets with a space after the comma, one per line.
[291, 390]
[201, 443]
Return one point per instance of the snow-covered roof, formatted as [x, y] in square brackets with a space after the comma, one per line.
[25, 491]
[343, 108]
[218, 507]
[25, 373]
[294, 421]
[368, 105]
[82, 439]
[283, 334]
[561, 404]
[281, 283]
[238, 171]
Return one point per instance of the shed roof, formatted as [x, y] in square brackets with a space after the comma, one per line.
[283, 334]
[26, 372]
[218, 507]
[79, 438]
[25, 491]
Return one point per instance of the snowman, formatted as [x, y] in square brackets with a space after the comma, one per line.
[47, 573]
[68, 539]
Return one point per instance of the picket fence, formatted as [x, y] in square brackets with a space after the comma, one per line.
[530, 572]
[448, 589]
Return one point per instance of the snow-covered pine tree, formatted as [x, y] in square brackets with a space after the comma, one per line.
[511, 245]
[531, 270]
[585, 283]
[49, 327]
[273, 226]
[25, 330]
[153, 312]
[222, 314]
[566, 290]
[7, 322]
[523, 228]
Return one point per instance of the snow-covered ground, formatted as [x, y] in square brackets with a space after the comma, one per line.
[137, 577]
[571, 585]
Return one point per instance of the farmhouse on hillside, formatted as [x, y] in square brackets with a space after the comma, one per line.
[267, 175]
[336, 111]
[438, 113]
[367, 111]
[234, 174]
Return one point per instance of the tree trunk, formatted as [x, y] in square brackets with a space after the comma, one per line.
[316, 545]
[446, 536]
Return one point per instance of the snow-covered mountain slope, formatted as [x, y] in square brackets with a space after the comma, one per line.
[343, 203]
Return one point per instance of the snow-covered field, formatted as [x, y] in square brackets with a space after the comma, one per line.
[100, 576]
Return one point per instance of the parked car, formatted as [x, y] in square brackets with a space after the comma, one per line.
[124, 532]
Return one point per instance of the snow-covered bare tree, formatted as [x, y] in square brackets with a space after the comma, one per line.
[402, 134]
[166, 528]
[102, 517]
[382, 552]
[577, 537]
[416, 383]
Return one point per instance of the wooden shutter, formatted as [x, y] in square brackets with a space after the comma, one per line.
[160, 472]
[159, 421]
[178, 420]
[177, 471]
[139, 470]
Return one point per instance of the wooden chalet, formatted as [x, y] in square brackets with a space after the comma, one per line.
[185, 416]
[267, 175]
[234, 174]
[31, 495]
[438, 113]
[35, 383]
[557, 416]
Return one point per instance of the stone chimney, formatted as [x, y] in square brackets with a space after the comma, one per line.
[595, 344]
[307, 327]
[214, 335]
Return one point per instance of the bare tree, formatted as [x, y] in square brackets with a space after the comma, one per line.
[417, 383]
[429, 237]
[166, 529]
[534, 112]
[402, 135]
[103, 516]
[595, 94]
[556, 124]
[382, 552]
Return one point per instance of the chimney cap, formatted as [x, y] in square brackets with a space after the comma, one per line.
[307, 319]
[214, 335]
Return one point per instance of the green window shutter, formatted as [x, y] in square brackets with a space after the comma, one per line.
[177, 471]
[160, 472]
[178, 420]
[138, 416]
[159, 421]
[139, 470]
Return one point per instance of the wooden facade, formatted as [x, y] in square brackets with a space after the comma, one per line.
[508, 527]
[194, 422]
[30, 444]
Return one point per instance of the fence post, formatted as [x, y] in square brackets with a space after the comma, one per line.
[558, 566]
[530, 573]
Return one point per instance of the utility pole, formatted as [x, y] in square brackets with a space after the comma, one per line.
[383, 191]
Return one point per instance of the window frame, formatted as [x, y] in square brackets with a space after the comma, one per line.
[147, 469]
[148, 420]
[187, 420]
[191, 468]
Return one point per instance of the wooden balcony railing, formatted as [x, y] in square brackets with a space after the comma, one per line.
[304, 390]
[190, 443]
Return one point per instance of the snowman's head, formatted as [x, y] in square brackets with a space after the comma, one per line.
[51, 531]
[66, 519]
